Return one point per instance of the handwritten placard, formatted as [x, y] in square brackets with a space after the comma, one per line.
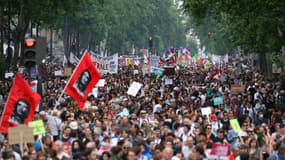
[20, 135]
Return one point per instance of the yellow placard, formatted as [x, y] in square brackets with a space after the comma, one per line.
[129, 61]
[38, 127]
[235, 125]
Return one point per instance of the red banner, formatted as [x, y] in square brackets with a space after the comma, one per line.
[84, 78]
[20, 106]
[220, 149]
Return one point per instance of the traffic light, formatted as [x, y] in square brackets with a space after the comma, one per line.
[150, 44]
[34, 51]
[30, 52]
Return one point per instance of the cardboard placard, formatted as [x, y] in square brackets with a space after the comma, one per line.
[134, 88]
[38, 127]
[237, 88]
[67, 71]
[20, 135]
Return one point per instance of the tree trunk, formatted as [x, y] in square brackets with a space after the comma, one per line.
[1, 30]
[23, 23]
[263, 63]
[66, 36]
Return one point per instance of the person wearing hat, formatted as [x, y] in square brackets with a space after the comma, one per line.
[215, 123]
[53, 124]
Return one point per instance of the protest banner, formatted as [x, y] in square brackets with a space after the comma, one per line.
[38, 127]
[106, 64]
[220, 150]
[134, 88]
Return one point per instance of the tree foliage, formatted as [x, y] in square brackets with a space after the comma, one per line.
[257, 26]
[120, 24]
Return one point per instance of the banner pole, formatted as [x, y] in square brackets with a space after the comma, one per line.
[72, 75]
[8, 100]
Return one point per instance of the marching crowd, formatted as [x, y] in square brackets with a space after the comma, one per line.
[163, 122]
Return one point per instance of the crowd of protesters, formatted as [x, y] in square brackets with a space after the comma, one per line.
[163, 122]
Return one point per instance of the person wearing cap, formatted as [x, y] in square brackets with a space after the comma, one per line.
[215, 123]
[143, 118]
[53, 123]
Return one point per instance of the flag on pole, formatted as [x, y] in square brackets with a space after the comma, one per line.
[64, 62]
[20, 106]
[73, 59]
[83, 80]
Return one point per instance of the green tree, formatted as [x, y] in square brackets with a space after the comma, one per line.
[256, 26]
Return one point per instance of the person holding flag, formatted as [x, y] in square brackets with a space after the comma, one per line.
[20, 105]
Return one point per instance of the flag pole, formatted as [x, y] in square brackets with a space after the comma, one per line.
[8, 100]
[72, 75]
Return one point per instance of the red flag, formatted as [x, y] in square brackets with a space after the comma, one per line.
[20, 106]
[84, 78]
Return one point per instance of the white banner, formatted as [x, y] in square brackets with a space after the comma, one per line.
[106, 64]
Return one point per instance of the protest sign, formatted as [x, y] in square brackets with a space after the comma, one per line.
[168, 81]
[237, 88]
[9, 75]
[218, 101]
[58, 73]
[136, 71]
[157, 72]
[134, 88]
[220, 149]
[20, 135]
[235, 125]
[154, 61]
[38, 127]
[67, 71]
[206, 111]
[101, 83]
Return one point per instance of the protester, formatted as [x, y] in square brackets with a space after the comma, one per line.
[180, 120]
